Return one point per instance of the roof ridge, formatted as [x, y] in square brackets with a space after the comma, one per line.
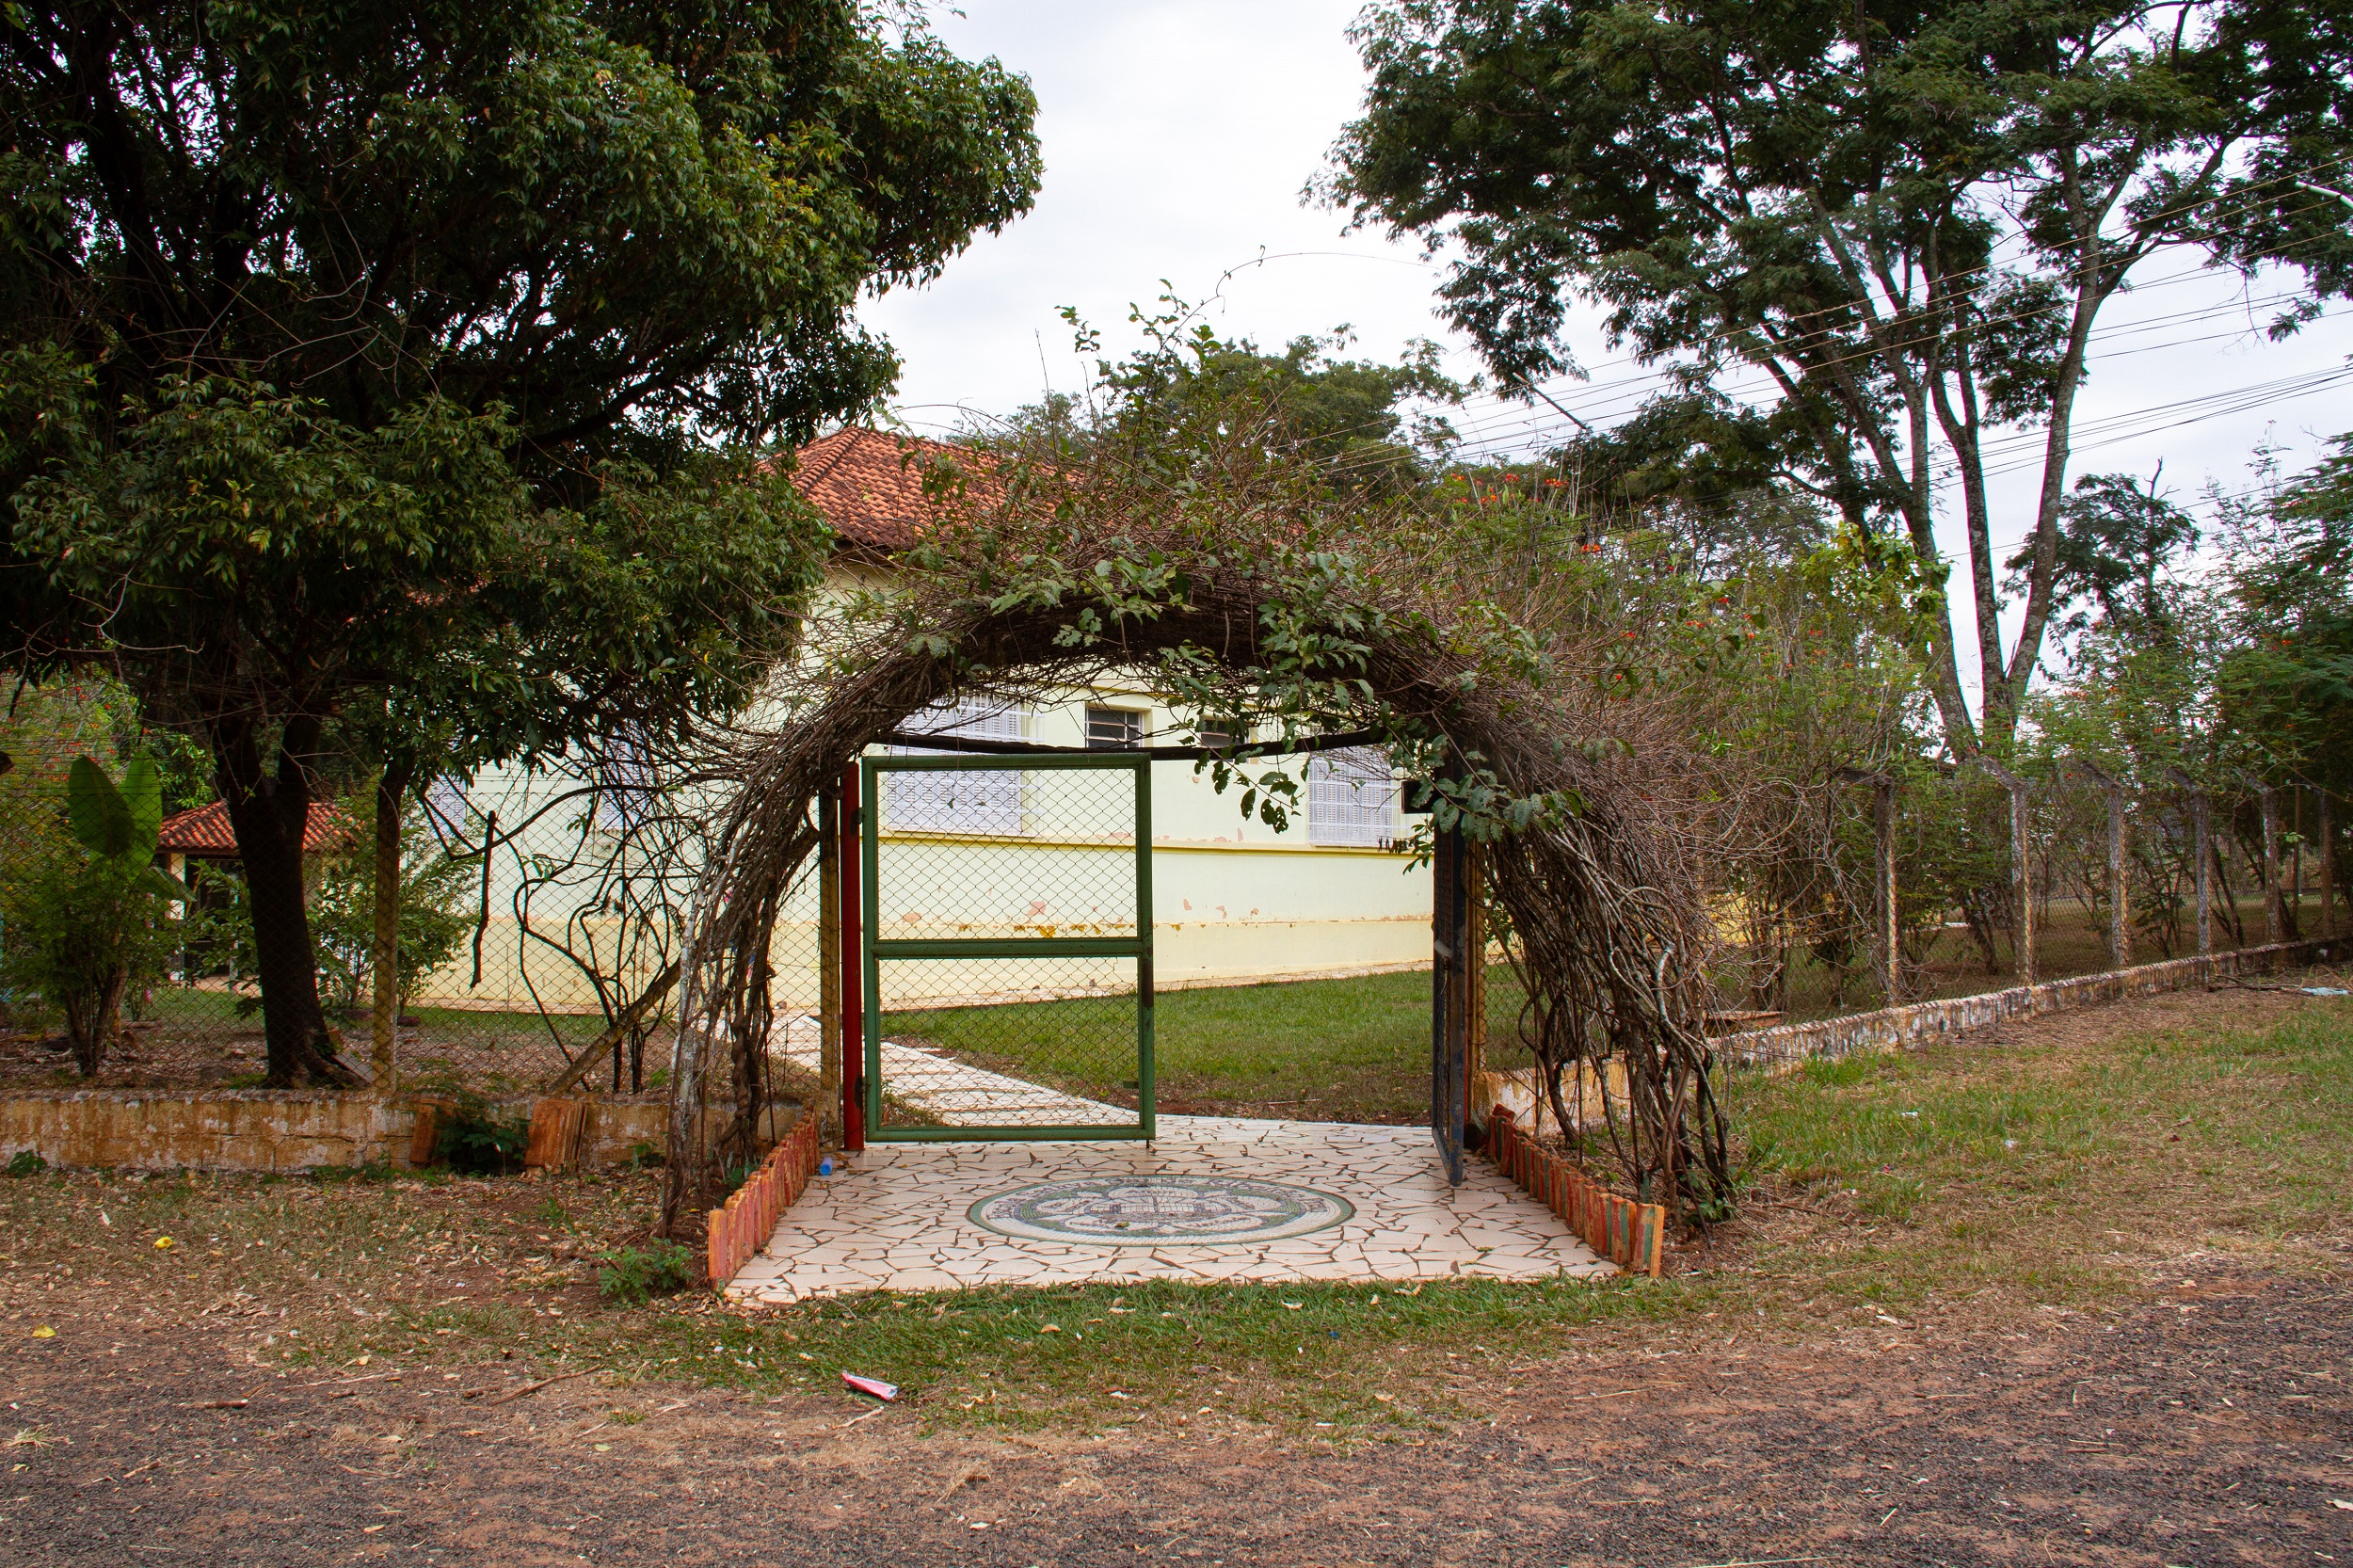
[810, 474]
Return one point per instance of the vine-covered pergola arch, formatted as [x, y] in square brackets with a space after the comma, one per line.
[1243, 602]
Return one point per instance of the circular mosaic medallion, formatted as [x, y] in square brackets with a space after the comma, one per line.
[1156, 1210]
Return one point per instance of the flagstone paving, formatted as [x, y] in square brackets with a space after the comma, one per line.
[1371, 1200]
[956, 1093]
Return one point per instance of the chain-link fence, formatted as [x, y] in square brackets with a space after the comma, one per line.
[2111, 873]
[542, 913]
[997, 883]
[541, 916]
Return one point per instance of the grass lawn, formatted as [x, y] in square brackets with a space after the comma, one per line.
[2069, 1163]
[1324, 1050]
[1350, 1051]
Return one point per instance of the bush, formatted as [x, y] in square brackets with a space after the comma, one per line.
[433, 922]
[473, 1140]
[89, 916]
[26, 1164]
[631, 1275]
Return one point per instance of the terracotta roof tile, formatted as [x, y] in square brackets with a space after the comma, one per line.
[205, 834]
[870, 486]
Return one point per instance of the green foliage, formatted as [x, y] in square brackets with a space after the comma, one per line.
[1349, 416]
[1909, 218]
[434, 924]
[632, 1275]
[2117, 538]
[25, 1162]
[2287, 682]
[83, 920]
[473, 1139]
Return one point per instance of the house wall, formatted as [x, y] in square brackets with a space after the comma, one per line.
[1235, 901]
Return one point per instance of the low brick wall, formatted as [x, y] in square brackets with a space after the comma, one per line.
[264, 1129]
[1789, 1046]
[735, 1232]
[1631, 1235]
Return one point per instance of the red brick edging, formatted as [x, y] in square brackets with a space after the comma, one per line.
[1631, 1235]
[740, 1226]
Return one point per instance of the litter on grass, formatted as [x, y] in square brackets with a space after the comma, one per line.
[879, 1389]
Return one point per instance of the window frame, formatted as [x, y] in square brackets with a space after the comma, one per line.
[1135, 726]
[1352, 799]
[991, 803]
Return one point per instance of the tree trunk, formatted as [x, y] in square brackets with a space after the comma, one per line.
[268, 811]
[89, 1022]
[385, 986]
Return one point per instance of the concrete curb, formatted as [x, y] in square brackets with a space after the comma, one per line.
[1787, 1047]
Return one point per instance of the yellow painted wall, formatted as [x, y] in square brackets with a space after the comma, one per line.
[1235, 900]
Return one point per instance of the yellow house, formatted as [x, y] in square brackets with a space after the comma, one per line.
[1235, 900]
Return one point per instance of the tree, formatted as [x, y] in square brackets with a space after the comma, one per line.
[1354, 419]
[1906, 218]
[381, 360]
[1349, 416]
[2287, 683]
[2115, 538]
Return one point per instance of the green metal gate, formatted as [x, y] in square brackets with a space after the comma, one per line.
[1012, 993]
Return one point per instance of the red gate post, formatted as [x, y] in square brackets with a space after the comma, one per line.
[853, 954]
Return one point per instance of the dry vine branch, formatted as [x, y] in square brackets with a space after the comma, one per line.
[1226, 576]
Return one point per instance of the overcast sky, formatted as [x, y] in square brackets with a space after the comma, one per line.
[1178, 134]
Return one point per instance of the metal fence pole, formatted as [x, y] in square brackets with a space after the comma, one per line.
[853, 965]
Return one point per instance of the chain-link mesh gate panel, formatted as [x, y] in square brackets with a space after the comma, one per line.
[990, 882]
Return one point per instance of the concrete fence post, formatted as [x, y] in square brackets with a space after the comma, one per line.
[2119, 881]
[2021, 861]
[1887, 917]
[2275, 913]
[2328, 863]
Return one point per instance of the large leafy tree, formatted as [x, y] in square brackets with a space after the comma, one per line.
[1367, 424]
[1874, 239]
[2288, 683]
[372, 363]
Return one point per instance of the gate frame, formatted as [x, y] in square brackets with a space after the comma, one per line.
[874, 949]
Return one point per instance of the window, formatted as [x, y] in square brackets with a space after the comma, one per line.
[625, 785]
[1113, 729]
[1351, 798]
[446, 800]
[954, 801]
[1217, 735]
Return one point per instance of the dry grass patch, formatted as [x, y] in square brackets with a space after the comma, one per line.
[2071, 1162]
[2057, 1162]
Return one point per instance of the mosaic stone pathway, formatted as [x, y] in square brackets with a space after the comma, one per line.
[960, 1094]
[1148, 1211]
[955, 1093]
[1331, 1202]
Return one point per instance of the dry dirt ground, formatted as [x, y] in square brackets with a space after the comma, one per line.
[2212, 1425]
[2201, 1413]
